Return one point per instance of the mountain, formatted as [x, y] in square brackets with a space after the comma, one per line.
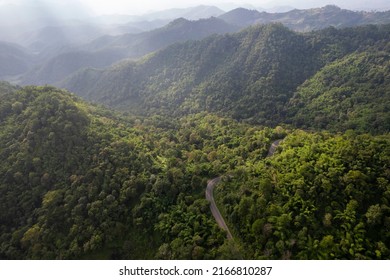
[249, 75]
[241, 16]
[213, 74]
[350, 93]
[178, 30]
[65, 48]
[62, 65]
[309, 19]
[62, 35]
[106, 50]
[14, 60]
[354, 5]
[192, 13]
[140, 26]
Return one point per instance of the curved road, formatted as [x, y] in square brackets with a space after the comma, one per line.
[210, 196]
[213, 207]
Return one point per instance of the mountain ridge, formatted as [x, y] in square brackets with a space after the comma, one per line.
[52, 65]
[107, 50]
[307, 19]
[247, 75]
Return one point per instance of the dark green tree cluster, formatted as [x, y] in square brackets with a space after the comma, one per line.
[68, 178]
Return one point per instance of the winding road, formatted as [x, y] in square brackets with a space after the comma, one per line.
[210, 196]
[213, 207]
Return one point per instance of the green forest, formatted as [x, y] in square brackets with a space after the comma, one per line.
[123, 175]
[334, 79]
[79, 181]
[321, 196]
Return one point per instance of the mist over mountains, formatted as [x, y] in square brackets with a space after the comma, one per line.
[59, 49]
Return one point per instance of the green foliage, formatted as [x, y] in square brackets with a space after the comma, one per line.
[79, 181]
[321, 196]
[6, 88]
[351, 93]
[70, 176]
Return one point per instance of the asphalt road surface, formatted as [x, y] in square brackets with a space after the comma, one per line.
[210, 197]
[214, 209]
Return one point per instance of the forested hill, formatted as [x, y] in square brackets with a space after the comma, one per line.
[6, 88]
[78, 181]
[350, 93]
[179, 30]
[106, 50]
[251, 75]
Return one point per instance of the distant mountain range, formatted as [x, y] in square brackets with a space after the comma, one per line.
[306, 20]
[136, 45]
[14, 60]
[192, 13]
[61, 50]
[354, 5]
[107, 50]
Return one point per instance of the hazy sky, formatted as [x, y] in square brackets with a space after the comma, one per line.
[143, 6]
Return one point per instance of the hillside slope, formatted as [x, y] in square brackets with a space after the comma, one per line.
[351, 93]
[249, 75]
[81, 182]
[14, 60]
[107, 50]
